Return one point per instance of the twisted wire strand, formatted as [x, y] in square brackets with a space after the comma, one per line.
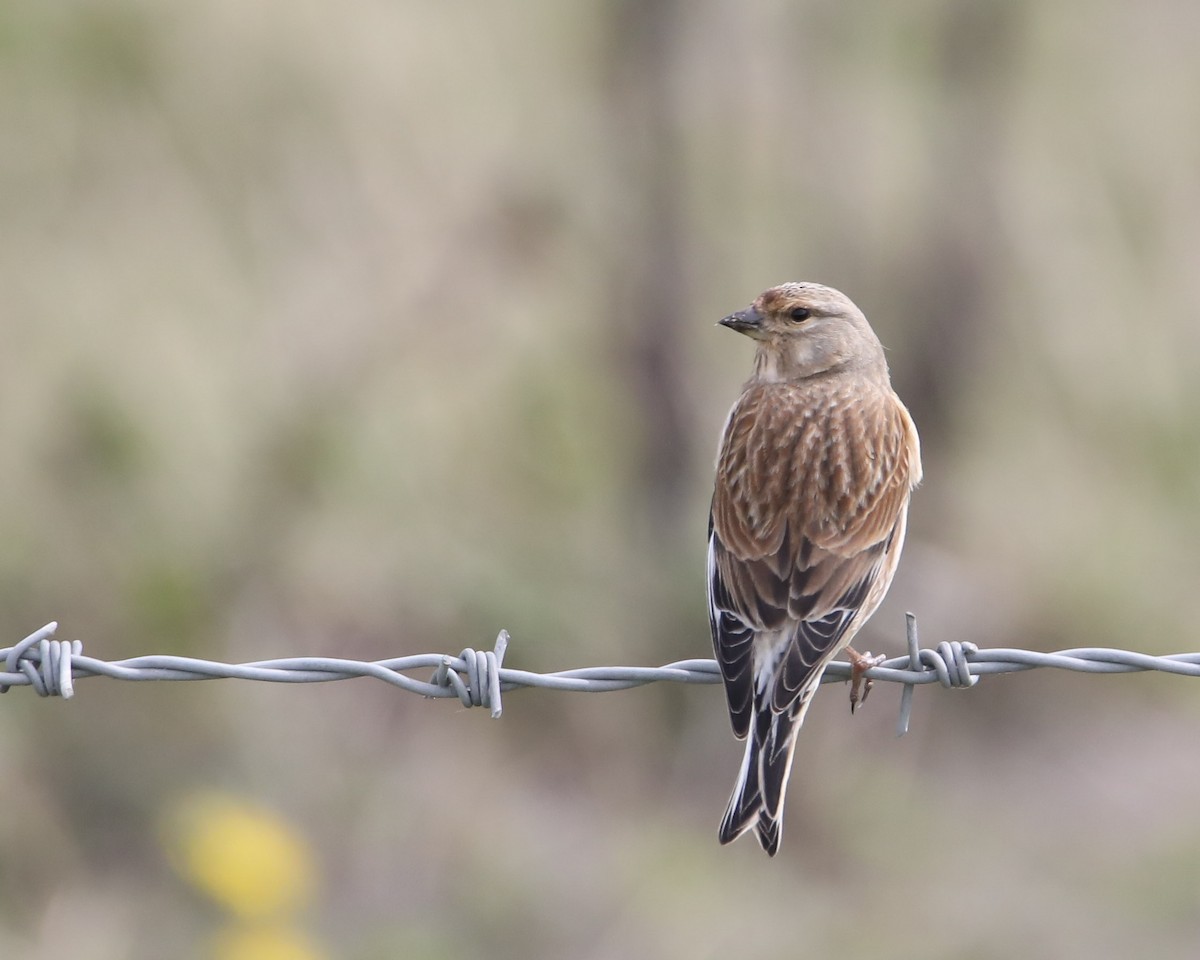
[478, 678]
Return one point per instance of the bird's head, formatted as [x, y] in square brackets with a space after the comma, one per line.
[806, 329]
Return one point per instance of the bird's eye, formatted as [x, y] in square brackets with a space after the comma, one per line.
[799, 313]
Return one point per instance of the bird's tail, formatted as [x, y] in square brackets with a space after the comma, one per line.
[757, 800]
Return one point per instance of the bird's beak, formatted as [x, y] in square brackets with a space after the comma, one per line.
[746, 321]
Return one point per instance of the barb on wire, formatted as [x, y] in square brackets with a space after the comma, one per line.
[477, 678]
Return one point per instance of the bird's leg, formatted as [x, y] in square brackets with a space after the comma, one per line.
[860, 663]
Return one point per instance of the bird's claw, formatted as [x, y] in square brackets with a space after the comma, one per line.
[860, 663]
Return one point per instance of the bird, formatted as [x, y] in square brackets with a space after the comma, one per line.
[818, 458]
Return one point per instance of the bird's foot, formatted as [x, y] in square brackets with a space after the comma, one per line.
[860, 663]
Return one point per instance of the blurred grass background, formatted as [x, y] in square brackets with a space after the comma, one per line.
[367, 329]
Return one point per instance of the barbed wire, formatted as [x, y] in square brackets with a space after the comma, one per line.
[478, 678]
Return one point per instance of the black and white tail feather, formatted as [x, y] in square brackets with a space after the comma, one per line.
[757, 799]
[770, 678]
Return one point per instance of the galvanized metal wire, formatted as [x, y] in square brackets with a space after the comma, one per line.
[478, 678]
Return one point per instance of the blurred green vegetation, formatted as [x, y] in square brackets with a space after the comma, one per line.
[368, 329]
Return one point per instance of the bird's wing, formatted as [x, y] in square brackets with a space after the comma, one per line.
[811, 492]
[733, 638]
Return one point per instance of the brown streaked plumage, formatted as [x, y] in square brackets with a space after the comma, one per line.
[817, 461]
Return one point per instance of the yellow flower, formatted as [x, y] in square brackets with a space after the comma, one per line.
[244, 857]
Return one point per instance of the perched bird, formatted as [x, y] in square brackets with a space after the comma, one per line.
[817, 461]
